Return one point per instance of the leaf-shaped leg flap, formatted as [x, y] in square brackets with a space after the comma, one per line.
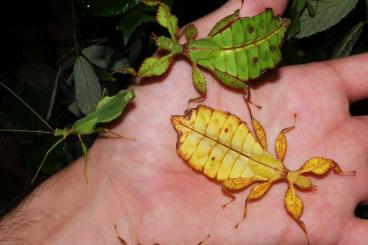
[190, 32]
[320, 166]
[229, 80]
[167, 20]
[281, 142]
[199, 80]
[297, 179]
[153, 66]
[224, 23]
[294, 206]
[255, 193]
[260, 133]
[258, 129]
[235, 185]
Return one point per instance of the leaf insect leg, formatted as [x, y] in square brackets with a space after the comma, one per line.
[247, 98]
[84, 150]
[338, 170]
[294, 206]
[46, 155]
[229, 194]
[225, 22]
[105, 131]
[190, 32]
[196, 100]
[281, 141]
[255, 193]
[199, 82]
[258, 128]
[235, 185]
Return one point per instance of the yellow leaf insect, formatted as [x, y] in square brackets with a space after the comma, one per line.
[221, 146]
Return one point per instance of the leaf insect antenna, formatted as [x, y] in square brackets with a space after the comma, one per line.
[28, 106]
[52, 131]
[26, 131]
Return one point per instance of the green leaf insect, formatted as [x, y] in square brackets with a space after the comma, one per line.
[107, 110]
[236, 50]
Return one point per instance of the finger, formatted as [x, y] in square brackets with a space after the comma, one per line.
[355, 232]
[353, 74]
[360, 181]
[249, 8]
[252, 7]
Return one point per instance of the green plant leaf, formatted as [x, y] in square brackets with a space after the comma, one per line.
[296, 10]
[87, 86]
[167, 20]
[135, 49]
[110, 8]
[154, 66]
[73, 108]
[328, 13]
[119, 62]
[104, 75]
[98, 55]
[131, 20]
[311, 8]
[122, 66]
[347, 43]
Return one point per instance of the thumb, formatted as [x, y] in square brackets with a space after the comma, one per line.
[253, 7]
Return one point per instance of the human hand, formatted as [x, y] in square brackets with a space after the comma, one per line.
[152, 196]
[187, 206]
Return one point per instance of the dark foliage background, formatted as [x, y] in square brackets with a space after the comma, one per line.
[41, 39]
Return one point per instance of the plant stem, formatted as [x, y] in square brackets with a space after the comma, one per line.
[75, 28]
[54, 92]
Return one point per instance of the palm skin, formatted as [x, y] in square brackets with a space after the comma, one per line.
[172, 204]
[152, 196]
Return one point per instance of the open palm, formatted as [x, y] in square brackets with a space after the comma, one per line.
[154, 197]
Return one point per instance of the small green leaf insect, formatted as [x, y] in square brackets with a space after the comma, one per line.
[236, 50]
[107, 110]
